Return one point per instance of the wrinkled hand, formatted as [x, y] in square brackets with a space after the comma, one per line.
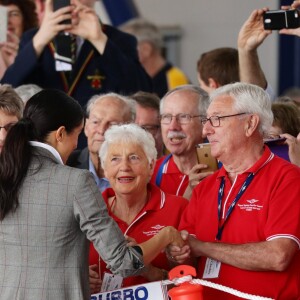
[252, 33]
[51, 26]
[294, 148]
[194, 178]
[293, 31]
[94, 279]
[9, 49]
[179, 254]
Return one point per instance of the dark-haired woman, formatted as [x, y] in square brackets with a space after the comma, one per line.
[21, 16]
[48, 210]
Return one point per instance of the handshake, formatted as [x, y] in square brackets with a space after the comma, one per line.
[175, 244]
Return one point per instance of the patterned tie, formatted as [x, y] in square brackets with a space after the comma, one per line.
[73, 48]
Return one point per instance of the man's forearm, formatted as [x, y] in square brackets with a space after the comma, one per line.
[250, 69]
[273, 255]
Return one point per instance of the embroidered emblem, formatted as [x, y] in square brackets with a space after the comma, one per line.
[96, 79]
[153, 230]
[252, 206]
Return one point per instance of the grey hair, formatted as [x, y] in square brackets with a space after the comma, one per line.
[203, 97]
[144, 31]
[128, 133]
[10, 102]
[249, 98]
[122, 99]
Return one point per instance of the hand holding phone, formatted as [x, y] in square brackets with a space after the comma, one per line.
[204, 157]
[57, 4]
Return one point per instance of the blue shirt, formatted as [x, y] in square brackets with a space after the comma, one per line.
[102, 183]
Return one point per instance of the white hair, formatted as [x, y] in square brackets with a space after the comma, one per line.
[249, 98]
[203, 98]
[127, 102]
[128, 133]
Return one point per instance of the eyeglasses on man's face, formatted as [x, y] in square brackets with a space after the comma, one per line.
[215, 120]
[151, 128]
[180, 118]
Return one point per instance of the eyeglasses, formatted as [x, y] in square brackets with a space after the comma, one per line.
[8, 126]
[151, 128]
[215, 120]
[180, 118]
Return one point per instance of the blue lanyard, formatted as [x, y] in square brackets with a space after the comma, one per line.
[234, 202]
[160, 170]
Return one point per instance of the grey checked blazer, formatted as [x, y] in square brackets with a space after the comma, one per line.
[43, 245]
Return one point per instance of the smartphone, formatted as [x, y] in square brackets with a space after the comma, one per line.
[276, 141]
[57, 4]
[3, 24]
[204, 157]
[279, 19]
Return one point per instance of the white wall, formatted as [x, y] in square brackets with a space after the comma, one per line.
[209, 24]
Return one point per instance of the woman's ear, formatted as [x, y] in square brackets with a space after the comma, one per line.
[152, 165]
[60, 134]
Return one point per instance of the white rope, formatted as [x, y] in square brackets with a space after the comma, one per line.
[178, 281]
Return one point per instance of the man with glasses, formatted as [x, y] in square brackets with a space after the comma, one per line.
[11, 110]
[103, 111]
[147, 116]
[180, 118]
[243, 220]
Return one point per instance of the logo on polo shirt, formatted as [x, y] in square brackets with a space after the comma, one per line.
[251, 205]
[154, 230]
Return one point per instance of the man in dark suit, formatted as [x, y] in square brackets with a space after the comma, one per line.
[102, 112]
[106, 59]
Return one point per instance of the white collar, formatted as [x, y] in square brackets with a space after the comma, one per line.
[49, 148]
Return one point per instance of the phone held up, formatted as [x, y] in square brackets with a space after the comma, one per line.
[63, 42]
[57, 4]
[279, 19]
[204, 157]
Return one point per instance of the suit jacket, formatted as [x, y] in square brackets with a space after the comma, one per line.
[79, 159]
[43, 244]
[117, 70]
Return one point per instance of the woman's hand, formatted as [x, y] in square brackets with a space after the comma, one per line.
[94, 279]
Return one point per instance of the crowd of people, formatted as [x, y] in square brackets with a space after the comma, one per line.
[135, 200]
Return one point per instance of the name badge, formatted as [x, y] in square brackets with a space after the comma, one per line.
[62, 66]
[111, 282]
[212, 269]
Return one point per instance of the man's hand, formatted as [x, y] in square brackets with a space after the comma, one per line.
[86, 24]
[294, 148]
[194, 178]
[252, 33]
[94, 279]
[292, 31]
[51, 25]
[179, 254]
